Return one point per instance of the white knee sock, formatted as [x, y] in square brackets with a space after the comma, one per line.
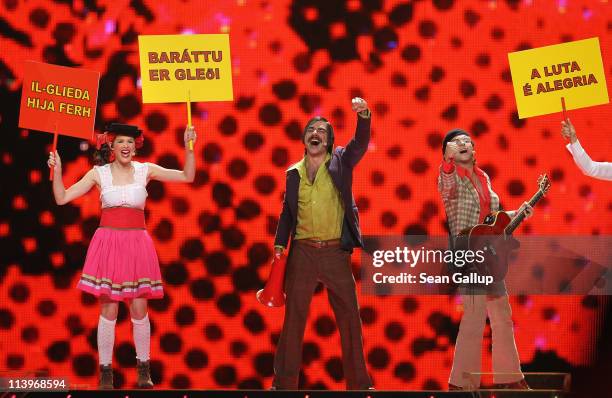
[142, 337]
[106, 340]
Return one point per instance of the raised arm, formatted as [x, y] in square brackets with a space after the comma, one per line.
[60, 193]
[600, 170]
[159, 173]
[358, 145]
[448, 179]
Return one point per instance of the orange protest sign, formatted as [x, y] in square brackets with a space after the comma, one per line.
[59, 99]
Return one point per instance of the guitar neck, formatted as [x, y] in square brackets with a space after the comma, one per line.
[520, 216]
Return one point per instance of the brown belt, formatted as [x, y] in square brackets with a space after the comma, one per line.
[320, 244]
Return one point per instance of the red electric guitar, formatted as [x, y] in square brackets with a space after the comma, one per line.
[494, 237]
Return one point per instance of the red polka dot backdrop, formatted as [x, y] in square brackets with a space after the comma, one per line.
[423, 66]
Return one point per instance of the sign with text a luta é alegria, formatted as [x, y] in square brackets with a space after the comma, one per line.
[182, 68]
[542, 76]
[59, 99]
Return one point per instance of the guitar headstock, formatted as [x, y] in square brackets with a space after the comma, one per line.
[544, 183]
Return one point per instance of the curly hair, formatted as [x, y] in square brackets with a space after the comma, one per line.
[102, 156]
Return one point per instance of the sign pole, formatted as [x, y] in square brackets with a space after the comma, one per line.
[54, 149]
[564, 110]
[189, 117]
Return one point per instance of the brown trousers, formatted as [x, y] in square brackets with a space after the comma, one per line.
[307, 266]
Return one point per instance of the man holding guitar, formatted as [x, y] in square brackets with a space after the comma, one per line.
[468, 198]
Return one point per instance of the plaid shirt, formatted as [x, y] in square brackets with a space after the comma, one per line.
[461, 201]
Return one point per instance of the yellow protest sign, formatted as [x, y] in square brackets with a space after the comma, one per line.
[542, 76]
[174, 68]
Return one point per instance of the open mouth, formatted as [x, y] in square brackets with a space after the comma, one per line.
[463, 151]
[315, 142]
[125, 152]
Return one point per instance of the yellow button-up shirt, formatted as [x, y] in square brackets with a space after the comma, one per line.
[320, 209]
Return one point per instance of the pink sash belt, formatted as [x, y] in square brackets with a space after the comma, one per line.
[122, 217]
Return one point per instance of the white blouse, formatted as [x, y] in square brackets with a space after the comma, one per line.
[600, 170]
[130, 195]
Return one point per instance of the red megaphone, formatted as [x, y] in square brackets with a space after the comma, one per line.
[273, 295]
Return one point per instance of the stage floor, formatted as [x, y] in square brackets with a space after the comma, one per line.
[294, 394]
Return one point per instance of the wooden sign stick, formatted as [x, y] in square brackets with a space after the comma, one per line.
[189, 117]
[54, 149]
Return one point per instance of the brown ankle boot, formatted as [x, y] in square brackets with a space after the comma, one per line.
[106, 377]
[144, 375]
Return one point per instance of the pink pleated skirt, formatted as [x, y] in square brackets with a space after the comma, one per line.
[122, 264]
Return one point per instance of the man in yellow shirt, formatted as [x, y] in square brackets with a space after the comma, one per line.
[320, 215]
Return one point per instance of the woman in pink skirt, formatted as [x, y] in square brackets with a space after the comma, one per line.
[121, 263]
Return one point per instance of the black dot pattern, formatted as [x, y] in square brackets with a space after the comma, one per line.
[424, 67]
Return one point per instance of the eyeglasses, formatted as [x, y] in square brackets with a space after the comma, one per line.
[463, 140]
[320, 130]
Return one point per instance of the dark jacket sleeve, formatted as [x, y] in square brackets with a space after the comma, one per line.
[284, 222]
[358, 145]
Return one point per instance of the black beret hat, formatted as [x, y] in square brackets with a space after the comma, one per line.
[124, 129]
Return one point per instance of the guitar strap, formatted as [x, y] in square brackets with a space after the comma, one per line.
[451, 243]
[450, 266]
